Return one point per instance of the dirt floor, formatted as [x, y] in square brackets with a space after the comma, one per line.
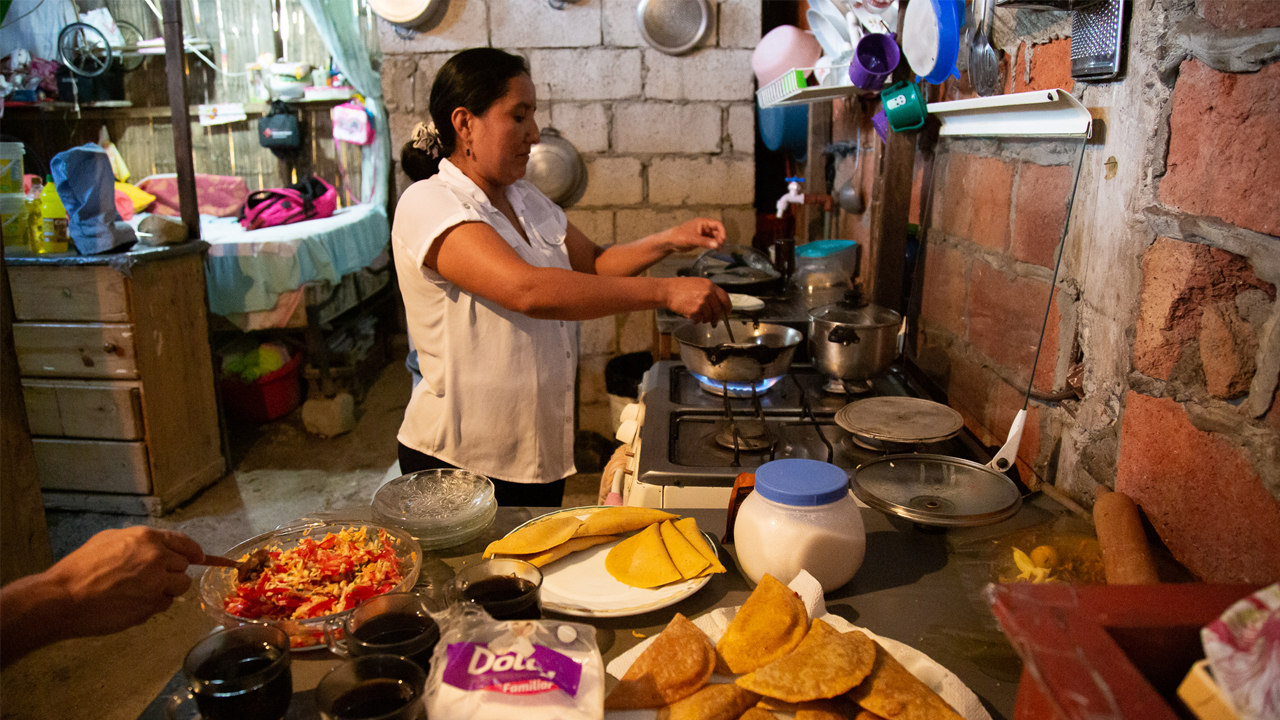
[282, 473]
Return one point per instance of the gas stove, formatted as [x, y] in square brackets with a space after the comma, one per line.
[693, 440]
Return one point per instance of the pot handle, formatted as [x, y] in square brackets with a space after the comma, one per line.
[1004, 459]
[844, 335]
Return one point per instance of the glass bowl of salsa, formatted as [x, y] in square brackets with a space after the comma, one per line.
[317, 573]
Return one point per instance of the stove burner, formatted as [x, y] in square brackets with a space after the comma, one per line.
[847, 387]
[752, 435]
[736, 389]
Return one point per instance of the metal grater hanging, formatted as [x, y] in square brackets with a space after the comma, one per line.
[1097, 41]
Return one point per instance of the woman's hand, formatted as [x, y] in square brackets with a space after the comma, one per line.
[698, 299]
[697, 233]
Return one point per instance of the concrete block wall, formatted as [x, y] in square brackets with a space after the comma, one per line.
[1165, 319]
[665, 139]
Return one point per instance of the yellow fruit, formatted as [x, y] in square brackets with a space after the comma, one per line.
[1045, 556]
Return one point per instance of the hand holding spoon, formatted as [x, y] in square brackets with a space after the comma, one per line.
[245, 570]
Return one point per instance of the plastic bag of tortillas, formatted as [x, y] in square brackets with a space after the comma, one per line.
[486, 669]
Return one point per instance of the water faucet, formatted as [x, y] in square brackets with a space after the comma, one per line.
[793, 195]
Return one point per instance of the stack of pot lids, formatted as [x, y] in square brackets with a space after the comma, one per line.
[866, 316]
[895, 419]
[936, 490]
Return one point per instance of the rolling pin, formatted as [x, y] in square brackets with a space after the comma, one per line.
[1126, 556]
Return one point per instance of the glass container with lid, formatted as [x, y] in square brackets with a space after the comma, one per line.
[440, 508]
[801, 516]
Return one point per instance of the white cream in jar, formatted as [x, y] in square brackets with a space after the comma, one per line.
[801, 516]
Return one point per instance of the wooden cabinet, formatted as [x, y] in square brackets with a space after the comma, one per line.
[118, 381]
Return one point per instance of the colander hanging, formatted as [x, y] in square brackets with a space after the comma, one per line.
[674, 26]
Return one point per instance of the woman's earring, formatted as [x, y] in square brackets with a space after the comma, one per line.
[468, 152]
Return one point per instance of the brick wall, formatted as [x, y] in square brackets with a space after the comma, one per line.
[1166, 304]
[998, 213]
[665, 139]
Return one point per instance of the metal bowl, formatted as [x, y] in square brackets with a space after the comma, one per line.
[217, 582]
[556, 168]
[761, 350]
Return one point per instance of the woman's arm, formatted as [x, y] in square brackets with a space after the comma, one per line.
[633, 258]
[475, 258]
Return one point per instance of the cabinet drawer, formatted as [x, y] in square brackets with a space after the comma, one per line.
[108, 411]
[93, 465]
[81, 351]
[92, 293]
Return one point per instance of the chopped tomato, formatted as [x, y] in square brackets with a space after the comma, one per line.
[317, 578]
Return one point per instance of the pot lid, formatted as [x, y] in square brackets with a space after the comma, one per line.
[936, 490]
[865, 316]
[900, 419]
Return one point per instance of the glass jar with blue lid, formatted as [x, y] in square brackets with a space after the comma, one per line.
[801, 516]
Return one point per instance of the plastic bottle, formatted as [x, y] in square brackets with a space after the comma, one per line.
[35, 216]
[55, 237]
[801, 516]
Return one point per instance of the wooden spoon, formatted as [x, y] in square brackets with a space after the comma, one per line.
[245, 571]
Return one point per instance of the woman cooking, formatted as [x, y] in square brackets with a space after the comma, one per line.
[494, 278]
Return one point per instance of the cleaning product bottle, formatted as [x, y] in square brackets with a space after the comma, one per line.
[35, 217]
[55, 237]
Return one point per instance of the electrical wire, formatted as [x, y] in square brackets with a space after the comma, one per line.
[1062, 246]
[23, 15]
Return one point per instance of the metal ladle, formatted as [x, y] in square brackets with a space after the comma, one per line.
[848, 196]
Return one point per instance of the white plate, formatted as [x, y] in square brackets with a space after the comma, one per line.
[578, 584]
[745, 303]
[929, 671]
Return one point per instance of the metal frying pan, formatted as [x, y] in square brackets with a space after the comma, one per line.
[737, 269]
[761, 350]
[941, 490]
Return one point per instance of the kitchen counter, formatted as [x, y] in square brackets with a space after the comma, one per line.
[920, 586]
[121, 261]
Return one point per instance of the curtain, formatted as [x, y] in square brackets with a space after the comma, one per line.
[339, 27]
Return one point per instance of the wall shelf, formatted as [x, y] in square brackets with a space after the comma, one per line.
[1040, 113]
[791, 88]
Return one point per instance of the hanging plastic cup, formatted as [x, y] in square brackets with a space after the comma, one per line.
[904, 106]
[874, 59]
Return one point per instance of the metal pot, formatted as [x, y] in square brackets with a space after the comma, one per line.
[762, 350]
[853, 343]
[556, 168]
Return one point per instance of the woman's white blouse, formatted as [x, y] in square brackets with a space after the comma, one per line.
[496, 395]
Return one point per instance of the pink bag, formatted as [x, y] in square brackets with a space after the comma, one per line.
[308, 199]
[220, 195]
[351, 123]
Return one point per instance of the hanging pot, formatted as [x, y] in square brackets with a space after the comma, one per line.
[556, 168]
[409, 13]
